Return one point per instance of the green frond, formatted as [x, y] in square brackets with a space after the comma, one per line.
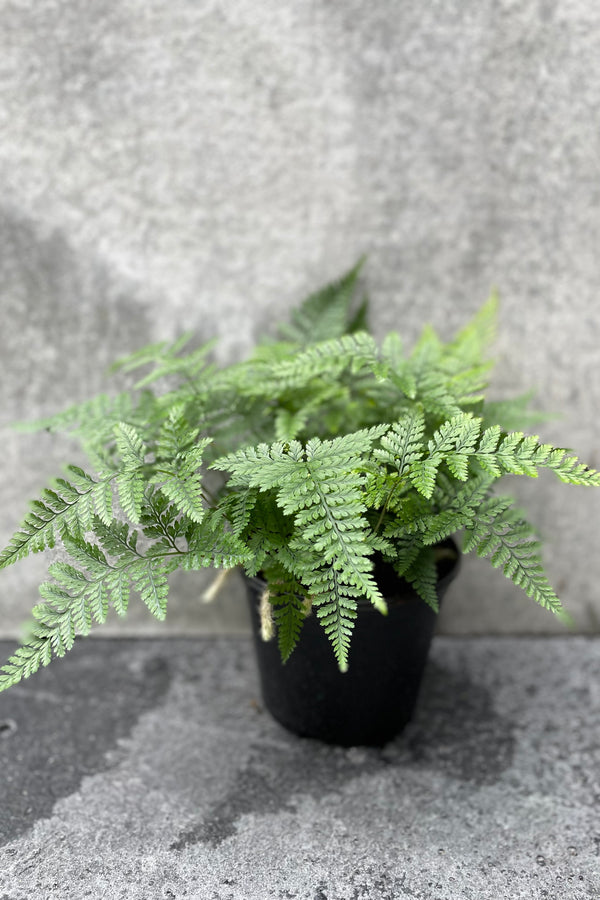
[326, 313]
[359, 320]
[95, 418]
[350, 353]
[210, 545]
[149, 577]
[427, 352]
[472, 342]
[262, 467]
[74, 600]
[457, 511]
[571, 471]
[406, 550]
[238, 507]
[181, 482]
[348, 447]
[511, 544]
[403, 445]
[354, 352]
[335, 605]
[480, 529]
[161, 518]
[131, 486]
[118, 585]
[130, 445]
[423, 473]
[398, 367]
[187, 367]
[519, 454]
[89, 556]
[321, 488]
[379, 488]
[166, 360]
[305, 487]
[151, 353]
[455, 442]
[422, 575]
[288, 423]
[56, 513]
[289, 612]
[434, 394]
[102, 495]
[176, 435]
[118, 540]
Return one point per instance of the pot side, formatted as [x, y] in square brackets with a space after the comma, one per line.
[375, 699]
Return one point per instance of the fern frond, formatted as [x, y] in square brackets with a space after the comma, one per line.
[289, 611]
[238, 507]
[186, 367]
[512, 545]
[398, 367]
[406, 551]
[130, 445]
[209, 545]
[379, 487]
[519, 454]
[335, 606]
[118, 540]
[423, 473]
[403, 445]
[149, 577]
[68, 508]
[455, 441]
[457, 511]
[78, 597]
[95, 417]
[151, 353]
[470, 345]
[165, 359]
[320, 486]
[289, 423]
[161, 519]
[480, 529]
[353, 351]
[181, 482]
[262, 467]
[326, 313]
[176, 434]
[422, 575]
[434, 394]
[427, 352]
[131, 486]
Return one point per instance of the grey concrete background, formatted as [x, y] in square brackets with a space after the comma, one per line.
[176, 165]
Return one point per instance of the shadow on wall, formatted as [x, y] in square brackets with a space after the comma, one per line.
[66, 316]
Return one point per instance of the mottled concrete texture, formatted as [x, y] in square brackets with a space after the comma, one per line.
[148, 769]
[176, 165]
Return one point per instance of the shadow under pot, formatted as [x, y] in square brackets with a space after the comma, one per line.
[375, 699]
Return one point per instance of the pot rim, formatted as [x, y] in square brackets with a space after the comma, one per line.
[365, 605]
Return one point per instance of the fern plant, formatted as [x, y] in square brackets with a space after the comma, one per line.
[303, 463]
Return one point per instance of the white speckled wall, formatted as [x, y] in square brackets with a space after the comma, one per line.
[176, 165]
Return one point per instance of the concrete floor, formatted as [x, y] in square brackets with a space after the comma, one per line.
[146, 769]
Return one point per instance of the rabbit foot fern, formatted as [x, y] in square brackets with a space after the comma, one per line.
[303, 463]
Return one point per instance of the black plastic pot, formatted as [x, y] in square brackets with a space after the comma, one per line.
[375, 699]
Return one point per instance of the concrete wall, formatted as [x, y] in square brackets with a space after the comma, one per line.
[176, 165]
